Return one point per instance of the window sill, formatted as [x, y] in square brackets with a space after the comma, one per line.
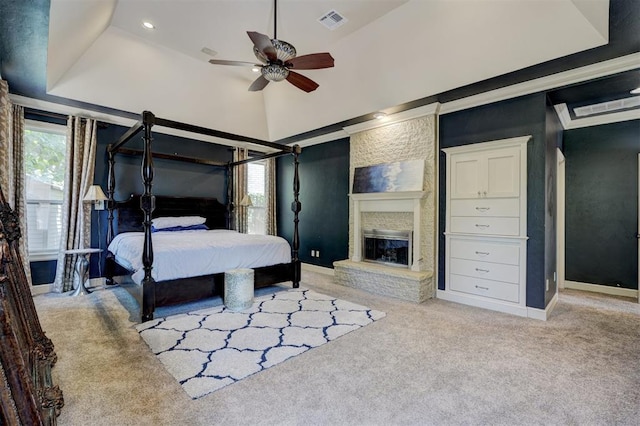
[43, 257]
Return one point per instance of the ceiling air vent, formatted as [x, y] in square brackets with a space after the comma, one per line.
[332, 20]
[605, 107]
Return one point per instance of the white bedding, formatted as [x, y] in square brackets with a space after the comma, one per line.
[194, 253]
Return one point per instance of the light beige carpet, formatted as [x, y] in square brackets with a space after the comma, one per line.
[432, 363]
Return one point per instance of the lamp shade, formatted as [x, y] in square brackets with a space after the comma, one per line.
[246, 201]
[94, 193]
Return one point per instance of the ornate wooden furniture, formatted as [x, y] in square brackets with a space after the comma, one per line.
[148, 206]
[27, 394]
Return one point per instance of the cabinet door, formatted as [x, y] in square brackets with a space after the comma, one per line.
[466, 174]
[502, 173]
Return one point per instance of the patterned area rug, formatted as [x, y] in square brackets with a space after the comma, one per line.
[212, 348]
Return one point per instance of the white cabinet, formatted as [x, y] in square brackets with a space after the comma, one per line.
[486, 225]
[491, 174]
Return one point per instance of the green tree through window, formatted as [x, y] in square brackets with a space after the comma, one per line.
[44, 156]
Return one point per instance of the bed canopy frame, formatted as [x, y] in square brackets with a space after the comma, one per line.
[148, 200]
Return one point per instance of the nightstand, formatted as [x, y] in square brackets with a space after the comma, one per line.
[81, 267]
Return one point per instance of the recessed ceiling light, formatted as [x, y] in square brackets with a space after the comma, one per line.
[635, 91]
[148, 25]
[208, 51]
[255, 69]
[379, 115]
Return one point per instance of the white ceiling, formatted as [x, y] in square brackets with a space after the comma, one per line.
[389, 52]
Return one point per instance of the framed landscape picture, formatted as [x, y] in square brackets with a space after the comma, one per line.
[400, 176]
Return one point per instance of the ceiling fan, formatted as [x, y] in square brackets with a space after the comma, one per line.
[278, 60]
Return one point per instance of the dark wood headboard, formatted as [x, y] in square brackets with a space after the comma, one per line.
[129, 215]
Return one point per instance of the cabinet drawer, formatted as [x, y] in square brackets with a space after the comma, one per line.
[485, 270]
[484, 251]
[486, 225]
[486, 288]
[500, 207]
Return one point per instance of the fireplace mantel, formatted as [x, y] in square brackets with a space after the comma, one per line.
[408, 201]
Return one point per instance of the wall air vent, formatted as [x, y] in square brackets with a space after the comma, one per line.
[606, 107]
[332, 20]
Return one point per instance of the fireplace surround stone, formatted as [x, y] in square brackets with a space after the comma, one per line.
[408, 135]
[388, 281]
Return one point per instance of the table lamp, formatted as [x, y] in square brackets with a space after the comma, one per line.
[96, 196]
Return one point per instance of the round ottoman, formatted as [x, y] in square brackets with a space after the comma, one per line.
[238, 289]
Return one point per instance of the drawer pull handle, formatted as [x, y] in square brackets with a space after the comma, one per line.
[482, 288]
[483, 209]
[482, 253]
[480, 225]
[482, 270]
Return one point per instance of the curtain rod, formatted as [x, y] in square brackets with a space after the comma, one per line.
[45, 113]
[65, 117]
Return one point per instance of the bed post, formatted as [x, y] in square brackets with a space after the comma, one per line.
[296, 206]
[230, 206]
[109, 267]
[147, 204]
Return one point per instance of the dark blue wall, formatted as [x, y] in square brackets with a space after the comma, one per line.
[602, 204]
[324, 185]
[553, 128]
[515, 117]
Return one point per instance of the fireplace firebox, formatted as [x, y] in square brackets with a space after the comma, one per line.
[393, 248]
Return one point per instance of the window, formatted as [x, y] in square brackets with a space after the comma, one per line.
[45, 146]
[256, 189]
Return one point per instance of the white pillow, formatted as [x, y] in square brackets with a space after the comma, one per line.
[170, 222]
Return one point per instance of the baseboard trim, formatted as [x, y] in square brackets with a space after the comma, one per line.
[471, 300]
[543, 314]
[599, 288]
[48, 288]
[521, 311]
[41, 289]
[315, 268]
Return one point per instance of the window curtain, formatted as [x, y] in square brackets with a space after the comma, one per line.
[240, 213]
[12, 176]
[270, 197]
[76, 214]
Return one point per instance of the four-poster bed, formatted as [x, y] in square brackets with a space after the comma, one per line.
[138, 212]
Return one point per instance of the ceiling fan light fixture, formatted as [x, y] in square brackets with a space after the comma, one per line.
[274, 72]
[284, 50]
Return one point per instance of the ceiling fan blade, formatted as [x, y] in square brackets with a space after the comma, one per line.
[313, 61]
[302, 82]
[234, 63]
[259, 84]
[263, 44]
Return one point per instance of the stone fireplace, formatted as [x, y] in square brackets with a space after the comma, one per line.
[408, 211]
[383, 276]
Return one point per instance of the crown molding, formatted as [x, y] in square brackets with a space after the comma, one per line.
[542, 84]
[410, 114]
[569, 123]
[563, 115]
[39, 104]
[327, 137]
[69, 110]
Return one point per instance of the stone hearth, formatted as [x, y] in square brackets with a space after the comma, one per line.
[387, 281]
